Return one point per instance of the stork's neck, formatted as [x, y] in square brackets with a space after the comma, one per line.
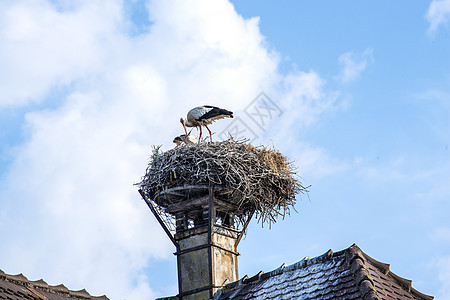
[188, 123]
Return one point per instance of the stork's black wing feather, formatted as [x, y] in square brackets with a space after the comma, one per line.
[214, 112]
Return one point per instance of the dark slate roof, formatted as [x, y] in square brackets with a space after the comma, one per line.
[347, 274]
[19, 287]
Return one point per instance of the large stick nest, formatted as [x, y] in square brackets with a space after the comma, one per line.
[248, 178]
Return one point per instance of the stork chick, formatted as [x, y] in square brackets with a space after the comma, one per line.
[183, 140]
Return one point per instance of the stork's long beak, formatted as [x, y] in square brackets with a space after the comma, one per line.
[185, 128]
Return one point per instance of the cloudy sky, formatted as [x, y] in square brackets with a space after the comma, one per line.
[87, 87]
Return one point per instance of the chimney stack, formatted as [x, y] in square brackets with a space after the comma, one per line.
[206, 238]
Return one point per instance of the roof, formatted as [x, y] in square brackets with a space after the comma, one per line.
[347, 274]
[19, 287]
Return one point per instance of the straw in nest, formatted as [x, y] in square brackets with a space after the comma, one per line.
[254, 178]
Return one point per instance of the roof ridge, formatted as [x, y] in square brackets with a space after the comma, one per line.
[81, 293]
[364, 270]
[40, 285]
[385, 269]
[361, 274]
[19, 278]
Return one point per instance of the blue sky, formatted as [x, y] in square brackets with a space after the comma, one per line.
[87, 87]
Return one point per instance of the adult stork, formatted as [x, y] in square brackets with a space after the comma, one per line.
[204, 116]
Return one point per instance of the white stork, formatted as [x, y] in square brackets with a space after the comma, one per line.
[203, 116]
[185, 140]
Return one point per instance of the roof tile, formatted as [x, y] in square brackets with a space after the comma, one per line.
[347, 274]
[19, 287]
[40, 283]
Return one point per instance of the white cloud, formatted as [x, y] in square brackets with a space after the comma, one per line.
[317, 162]
[304, 100]
[43, 48]
[353, 64]
[442, 265]
[438, 14]
[70, 212]
[72, 183]
[441, 235]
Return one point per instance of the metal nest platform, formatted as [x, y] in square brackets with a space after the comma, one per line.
[198, 208]
[191, 202]
[193, 196]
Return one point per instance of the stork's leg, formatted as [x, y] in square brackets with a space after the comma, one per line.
[200, 137]
[210, 134]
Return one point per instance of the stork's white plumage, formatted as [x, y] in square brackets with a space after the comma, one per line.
[204, 116]
[183, 139]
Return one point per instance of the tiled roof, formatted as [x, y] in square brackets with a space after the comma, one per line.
[19, 287]
[347, 274]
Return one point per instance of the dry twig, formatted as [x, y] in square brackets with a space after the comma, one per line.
[251, 178]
